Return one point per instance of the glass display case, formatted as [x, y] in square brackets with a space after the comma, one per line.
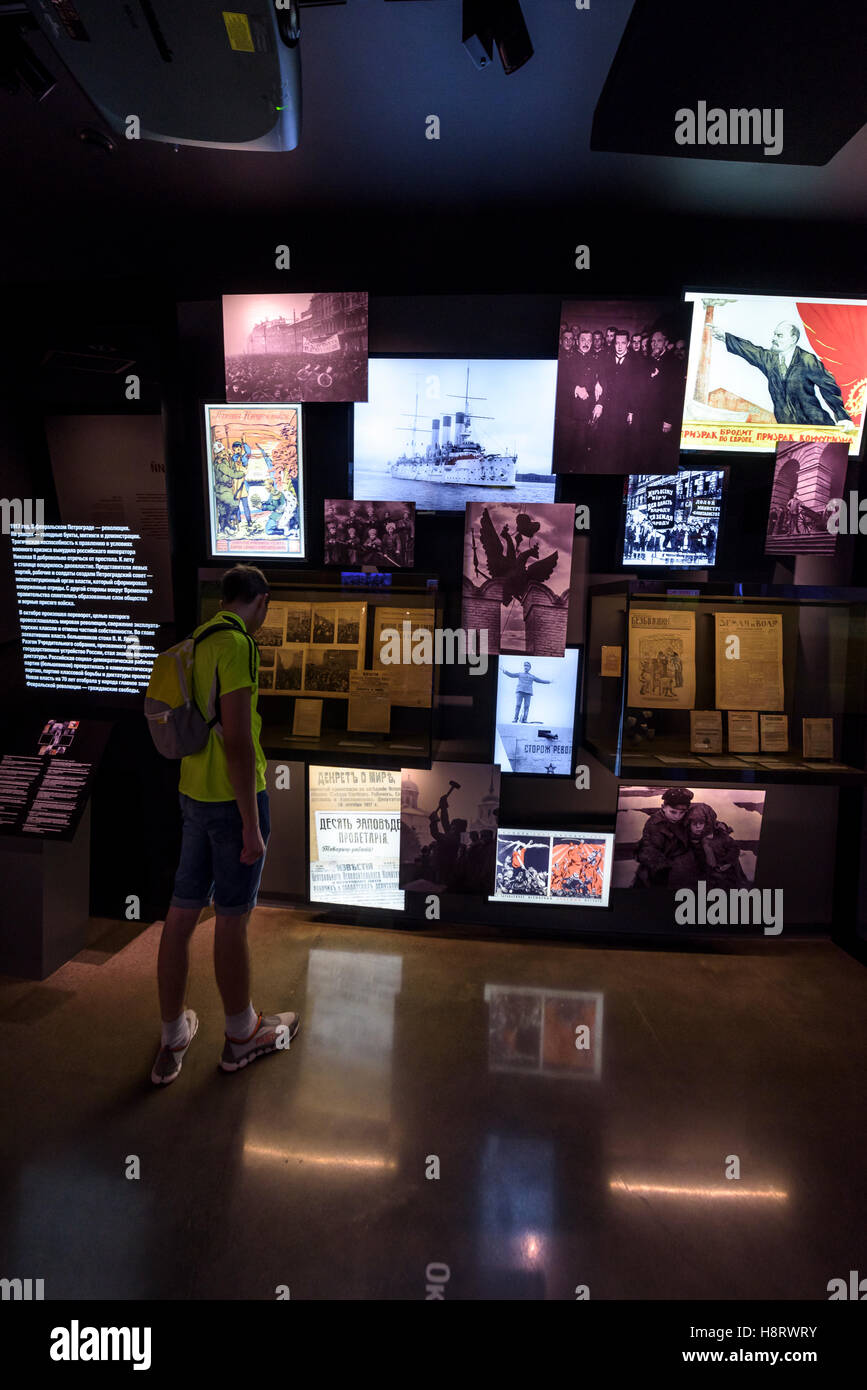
[749, 682]
[347, 668]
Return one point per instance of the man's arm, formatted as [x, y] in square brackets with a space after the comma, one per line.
[750, 352]
[513, 674]
[539, 681]
[651, 850]
[241, 765]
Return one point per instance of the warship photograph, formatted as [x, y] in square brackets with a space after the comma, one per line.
[479, 429]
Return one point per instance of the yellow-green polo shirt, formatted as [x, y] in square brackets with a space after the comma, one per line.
[205, 775]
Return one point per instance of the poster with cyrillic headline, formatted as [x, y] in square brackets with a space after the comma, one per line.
[355, 836]
[749, 661]
[766, 369]
[661, 659]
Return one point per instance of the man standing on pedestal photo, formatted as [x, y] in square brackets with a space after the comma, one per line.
[526, 680]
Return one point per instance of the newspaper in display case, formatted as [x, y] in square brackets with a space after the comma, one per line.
[743, 730]
[749, 661]
[369, 702]
[818, 736]
[661, 658]
[410, 682]
[705, 731]
[774, 733]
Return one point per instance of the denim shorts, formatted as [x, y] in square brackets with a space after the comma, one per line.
[210, 864]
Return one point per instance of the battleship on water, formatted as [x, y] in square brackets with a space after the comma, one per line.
[453, 456]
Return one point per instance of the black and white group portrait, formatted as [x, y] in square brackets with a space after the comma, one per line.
[295, 347]
[675, 837]
[621, 372]
[370, 533]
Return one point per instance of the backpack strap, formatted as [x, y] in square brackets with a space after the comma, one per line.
[230, 621]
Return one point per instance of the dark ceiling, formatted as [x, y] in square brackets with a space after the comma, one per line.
[372, 72]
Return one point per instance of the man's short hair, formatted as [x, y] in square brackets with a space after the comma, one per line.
[677, 796]
[243, 583]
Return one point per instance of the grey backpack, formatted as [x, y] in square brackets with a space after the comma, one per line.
[177, 725]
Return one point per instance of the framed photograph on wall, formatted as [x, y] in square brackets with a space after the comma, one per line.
[534, 729]
[295, 347]
[442, 432]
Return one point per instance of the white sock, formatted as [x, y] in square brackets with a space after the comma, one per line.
[177, 1034]
[241, 1025]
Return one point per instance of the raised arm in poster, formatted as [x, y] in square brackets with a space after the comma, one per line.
[295, 347]
[620, 378]
[749, 661]
[661, 659]
[766, 368]
[808, 485]
[448, 827]
[517, 568]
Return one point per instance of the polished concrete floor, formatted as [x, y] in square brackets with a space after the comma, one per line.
[602, 1164]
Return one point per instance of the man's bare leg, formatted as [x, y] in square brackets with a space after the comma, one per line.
[173, 961]
[232, 962]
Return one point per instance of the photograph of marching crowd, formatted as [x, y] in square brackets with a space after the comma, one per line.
[673, 519]
[370, 533]
[621, 373]
[295, 347]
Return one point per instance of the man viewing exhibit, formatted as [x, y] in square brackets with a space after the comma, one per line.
[226, 824]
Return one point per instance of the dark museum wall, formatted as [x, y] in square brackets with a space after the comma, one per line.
[476, 286]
